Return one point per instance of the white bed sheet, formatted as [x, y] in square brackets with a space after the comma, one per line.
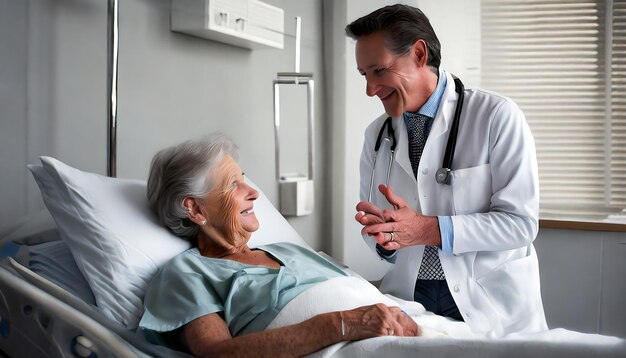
[442, 337]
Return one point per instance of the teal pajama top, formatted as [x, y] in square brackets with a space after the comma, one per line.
[248, 297]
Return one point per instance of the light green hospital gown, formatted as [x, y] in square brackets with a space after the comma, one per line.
[248, 297]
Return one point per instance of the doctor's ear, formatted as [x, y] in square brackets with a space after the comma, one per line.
[420, 49]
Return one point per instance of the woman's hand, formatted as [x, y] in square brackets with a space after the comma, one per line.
[209, 336]
[378, 320]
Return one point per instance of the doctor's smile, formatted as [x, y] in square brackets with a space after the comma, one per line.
[385, 96]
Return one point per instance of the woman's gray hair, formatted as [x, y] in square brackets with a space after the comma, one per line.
[184, 171]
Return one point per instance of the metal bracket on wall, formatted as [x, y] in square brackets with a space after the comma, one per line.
[296, 191]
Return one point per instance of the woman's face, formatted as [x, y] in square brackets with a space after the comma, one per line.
[230, 205]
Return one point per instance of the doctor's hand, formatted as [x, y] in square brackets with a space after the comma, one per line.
[368, 213]
[400, 227]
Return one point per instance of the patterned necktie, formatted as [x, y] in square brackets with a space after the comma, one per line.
[416, 123]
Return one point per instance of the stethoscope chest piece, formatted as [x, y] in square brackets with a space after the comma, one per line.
[443, 176]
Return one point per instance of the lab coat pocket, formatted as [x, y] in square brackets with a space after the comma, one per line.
[471, 189]
[512, 289]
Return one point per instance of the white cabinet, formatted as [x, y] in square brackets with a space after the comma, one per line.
[243, 23]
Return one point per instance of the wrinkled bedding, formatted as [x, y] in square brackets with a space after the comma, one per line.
[442, 337]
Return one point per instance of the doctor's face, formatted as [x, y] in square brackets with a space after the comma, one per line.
[398, 80]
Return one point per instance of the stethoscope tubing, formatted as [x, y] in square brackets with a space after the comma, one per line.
[442, 175]
[369, 196]
[391, 159]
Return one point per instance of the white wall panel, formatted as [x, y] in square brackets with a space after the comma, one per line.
[570, 265]
[613, 285]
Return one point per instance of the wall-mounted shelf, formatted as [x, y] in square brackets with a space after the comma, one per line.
[243, 23]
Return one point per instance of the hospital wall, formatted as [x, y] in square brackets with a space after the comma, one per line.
[171, 87]
[582, 272]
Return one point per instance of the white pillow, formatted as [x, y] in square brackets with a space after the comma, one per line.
[115, 238]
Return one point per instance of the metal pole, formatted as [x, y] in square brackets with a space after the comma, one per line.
[298, 35]
[311, 124]
[277, 128]
[112, 63]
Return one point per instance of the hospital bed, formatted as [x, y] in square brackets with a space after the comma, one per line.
[73, 276]
[73, 286]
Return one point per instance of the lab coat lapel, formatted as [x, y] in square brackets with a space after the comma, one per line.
[402, 149]
[445, 112]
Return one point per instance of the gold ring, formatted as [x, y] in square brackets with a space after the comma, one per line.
[393, 235]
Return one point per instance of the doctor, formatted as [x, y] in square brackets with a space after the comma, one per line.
[463, 248]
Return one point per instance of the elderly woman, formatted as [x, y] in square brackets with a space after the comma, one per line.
[219, 297]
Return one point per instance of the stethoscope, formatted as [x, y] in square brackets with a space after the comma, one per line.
[442, 176]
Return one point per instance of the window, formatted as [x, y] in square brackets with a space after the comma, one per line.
[564, 63]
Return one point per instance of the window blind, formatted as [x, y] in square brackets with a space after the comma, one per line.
[553, 58]
[618, 106]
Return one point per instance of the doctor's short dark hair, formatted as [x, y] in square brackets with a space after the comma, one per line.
[402, 26]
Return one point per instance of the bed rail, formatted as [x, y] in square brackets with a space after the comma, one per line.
[36, 324]
[38, 316]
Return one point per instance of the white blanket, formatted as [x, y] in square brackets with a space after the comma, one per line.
[442, 337]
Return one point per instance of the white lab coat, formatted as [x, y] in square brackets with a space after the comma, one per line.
[493, 200]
